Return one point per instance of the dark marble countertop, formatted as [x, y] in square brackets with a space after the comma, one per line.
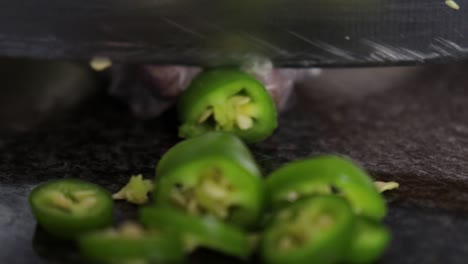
[415, 131]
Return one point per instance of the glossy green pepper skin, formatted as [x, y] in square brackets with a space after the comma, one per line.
[131, 245]
[212, 174]
[370, 240]
[67, 208]
[206, 232]
[227, 100]
[321, 175]
[311, 230]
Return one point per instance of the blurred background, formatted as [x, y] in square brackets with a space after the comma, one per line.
[35, 91]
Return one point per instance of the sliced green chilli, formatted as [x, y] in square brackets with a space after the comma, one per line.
[311, 230]
[227, 100]
[213, 174]
[206, 232]
[69, 207]
[370, 240]
[131, 244]
[322, 175]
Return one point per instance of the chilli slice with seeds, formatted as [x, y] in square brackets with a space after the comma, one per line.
[325, 174]
[311, 230]
[227, 100]
[198, 231]
[212, 174]
[68, 207]
[131, 243]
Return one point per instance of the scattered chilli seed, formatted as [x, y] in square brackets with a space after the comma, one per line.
[386, 186]
[135, 191]
[452, 4]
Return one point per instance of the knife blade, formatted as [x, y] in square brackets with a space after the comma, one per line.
[299, 33]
